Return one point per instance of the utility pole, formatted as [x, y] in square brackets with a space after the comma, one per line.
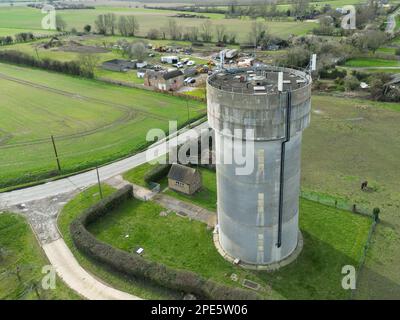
[98, 181]
[55, 152]
[37, 53]
[187, 106]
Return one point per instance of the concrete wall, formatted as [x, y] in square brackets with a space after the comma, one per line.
[248, 205]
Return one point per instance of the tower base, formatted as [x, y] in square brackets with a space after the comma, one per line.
[262, 267]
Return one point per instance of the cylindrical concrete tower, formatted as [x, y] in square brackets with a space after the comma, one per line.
[258, 210]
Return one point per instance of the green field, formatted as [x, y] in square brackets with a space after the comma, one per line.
[19, 250]
[318, 4]
[332, 238]
[92, 122]
[371, 63]
[75, 207]
[13, 31]
[29, 18]
[350, 141]
[354, 142]
[388, 50]
[206, 197]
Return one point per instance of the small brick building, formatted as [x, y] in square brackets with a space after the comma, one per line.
[166, 81]
[184, 179]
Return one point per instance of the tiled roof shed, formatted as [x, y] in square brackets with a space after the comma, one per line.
[172, 74]
[182, 173]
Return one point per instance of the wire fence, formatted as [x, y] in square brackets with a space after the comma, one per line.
[336, 203]
[363, 257]
[354, 208]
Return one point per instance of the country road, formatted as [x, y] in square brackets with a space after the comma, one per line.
[391, 22]
[83, 180]
[41, 205]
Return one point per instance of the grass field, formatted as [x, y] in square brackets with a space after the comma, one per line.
[68, 214]
[318, 4]
[332, 237]
[206, 197]
[350, 141]
[13, 31]
[371, 63]
[29, 18]
[92, 122]
[19, 249]
[388, 50]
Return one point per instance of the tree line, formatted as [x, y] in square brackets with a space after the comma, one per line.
[108, 24]
[76, 68]
[19, 37]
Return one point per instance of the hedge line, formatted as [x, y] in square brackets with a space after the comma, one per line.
[135, 266]
[157, 173]
[68, 67]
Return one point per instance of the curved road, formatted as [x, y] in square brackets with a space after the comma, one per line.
[42, 203]
[391, 22]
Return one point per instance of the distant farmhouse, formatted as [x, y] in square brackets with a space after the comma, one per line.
[119, 65]
[184, 179]
[166, 81]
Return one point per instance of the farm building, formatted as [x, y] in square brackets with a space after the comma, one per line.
[167, 81]
[184, 179]
[141, 65]
[141, 73]
[169, 59]
[190, 72]
[119, 65]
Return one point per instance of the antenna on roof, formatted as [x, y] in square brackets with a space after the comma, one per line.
[222, 59]
[280, 81]
[313, 62]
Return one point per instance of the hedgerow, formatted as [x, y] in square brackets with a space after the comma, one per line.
[157, 173]
[135, 266]
[67, 67]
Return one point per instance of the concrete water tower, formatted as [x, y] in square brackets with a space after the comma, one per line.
[258, 212]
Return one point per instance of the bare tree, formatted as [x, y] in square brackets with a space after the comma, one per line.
[61, 25]
[132, 25]
[369, 40]
[173, 30]
[300, 7]
[258, 33]
[206, 32]
[232, 37]
[194, 33]
[220, 31]
[122, 26]
[111, 20]
[138, 51]
[100, 24]
[153, 34]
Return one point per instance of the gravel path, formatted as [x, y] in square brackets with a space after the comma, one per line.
[69, 270]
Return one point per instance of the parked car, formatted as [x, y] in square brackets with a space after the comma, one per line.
[191, 63]
[179, 65]
[189, 80]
